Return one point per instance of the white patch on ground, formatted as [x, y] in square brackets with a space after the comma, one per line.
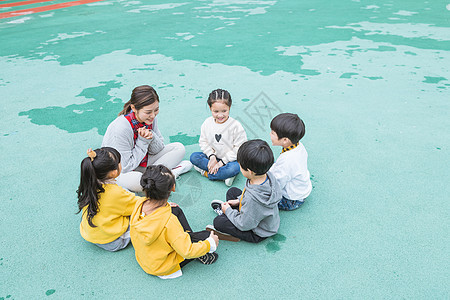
[19, 21]
[371, 7]
[101, 3]
[407, 30]
[157, 7]
[126, 3]
[405, 13]
[247, 7]
[64, 36]
[252, 11]
[47, 15]
[184, 35]
[216, 17]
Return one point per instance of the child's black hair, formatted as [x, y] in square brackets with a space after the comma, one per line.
[93, 173]
[219, 95]
[289, 126]
[255, 155]
[157, 182]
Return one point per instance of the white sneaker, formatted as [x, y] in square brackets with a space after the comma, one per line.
[201, 171]
[229, 181]
[217, 206]
[183, 167]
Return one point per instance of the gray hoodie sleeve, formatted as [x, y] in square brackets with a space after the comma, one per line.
[119, 136]
[246, 219]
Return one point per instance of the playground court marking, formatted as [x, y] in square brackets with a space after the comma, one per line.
[13, 4]
[29, 11]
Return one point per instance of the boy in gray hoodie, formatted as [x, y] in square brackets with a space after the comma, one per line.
[252, 214]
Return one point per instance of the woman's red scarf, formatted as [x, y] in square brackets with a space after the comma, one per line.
[135, 125]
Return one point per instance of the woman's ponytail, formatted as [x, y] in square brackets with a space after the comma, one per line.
[126, 108]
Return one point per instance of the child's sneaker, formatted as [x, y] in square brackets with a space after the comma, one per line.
[229, 181]
[221, 235]
[208, 258]
[201, 171]
[183, 167]
[217, 206]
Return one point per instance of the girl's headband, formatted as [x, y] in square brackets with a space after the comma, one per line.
[91, 154]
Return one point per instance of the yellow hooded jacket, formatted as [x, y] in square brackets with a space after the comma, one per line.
[160, 242]
[113, 217]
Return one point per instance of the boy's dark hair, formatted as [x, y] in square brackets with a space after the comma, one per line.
[93, 173]
[157, 182]
[219, 95]
[289, 126]
[255, 155]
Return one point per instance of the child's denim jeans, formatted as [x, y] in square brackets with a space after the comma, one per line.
[231, 169]
[286, 204]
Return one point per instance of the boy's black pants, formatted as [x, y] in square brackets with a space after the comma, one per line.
[223, 224]
[195, 236]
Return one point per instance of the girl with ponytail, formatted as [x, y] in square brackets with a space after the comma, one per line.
[161, 236]
[106, 206]
[135, 134]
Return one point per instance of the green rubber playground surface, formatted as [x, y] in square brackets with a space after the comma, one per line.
[370, 79]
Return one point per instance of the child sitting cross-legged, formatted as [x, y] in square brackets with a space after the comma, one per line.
[106, 206]
[220, 138]
[162, 238]
[291, 168]
[252, 214]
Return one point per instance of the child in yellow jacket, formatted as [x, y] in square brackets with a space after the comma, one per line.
[106, 206]
[161, 236]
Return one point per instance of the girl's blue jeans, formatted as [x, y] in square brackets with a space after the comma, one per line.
[286, 204]
[231, 169]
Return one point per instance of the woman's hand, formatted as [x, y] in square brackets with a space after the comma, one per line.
[172, 204]
[145, 133]
[216, 168]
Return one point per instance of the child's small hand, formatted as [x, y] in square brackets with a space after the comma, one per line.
[145, 133]
[215, 238]
[172, 204]
[233, 202]
[216, 168]
[225, 206]
[212, 162]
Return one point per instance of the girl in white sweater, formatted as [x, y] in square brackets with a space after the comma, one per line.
[220, 138]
